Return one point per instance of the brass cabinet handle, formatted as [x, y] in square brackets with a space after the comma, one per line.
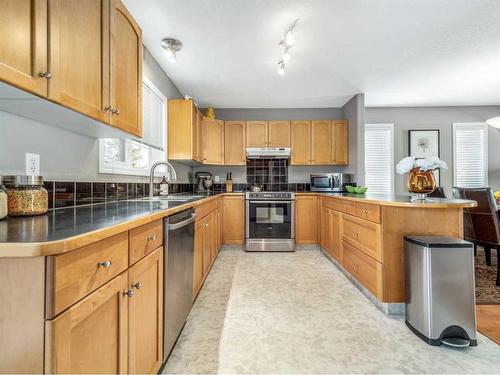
[109, 108]
[105, 264]
[116, 112]
[129, 293]
[47, 75]
[137, 285]
[152, 238]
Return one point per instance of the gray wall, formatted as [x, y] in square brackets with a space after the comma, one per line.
[65, 155]
[295, 174]
[440, 118]
[354, 112]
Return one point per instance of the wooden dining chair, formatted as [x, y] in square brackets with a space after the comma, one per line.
[481, 224]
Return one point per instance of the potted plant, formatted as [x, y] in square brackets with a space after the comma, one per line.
[421, 180]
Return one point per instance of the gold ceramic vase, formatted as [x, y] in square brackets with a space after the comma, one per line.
[421, 183]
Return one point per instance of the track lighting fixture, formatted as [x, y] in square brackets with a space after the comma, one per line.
[281, 69]
[286, 44]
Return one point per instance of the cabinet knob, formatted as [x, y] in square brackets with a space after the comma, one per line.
[109, 108]
[152, 238]
[137, 285]
[116, 112]
[129, 293]
[105, 264]
[47, 75]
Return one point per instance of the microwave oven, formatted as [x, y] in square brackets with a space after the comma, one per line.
[332, 182]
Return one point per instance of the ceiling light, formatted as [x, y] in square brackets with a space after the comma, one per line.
[171, 46]
[289, 38]
[495, 122]
[286, 55]
[281, 69]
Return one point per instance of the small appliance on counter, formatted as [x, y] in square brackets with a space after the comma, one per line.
[331, 182]
[440, 292]
[205, 181]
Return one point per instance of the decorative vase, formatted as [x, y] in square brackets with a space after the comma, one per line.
[421, 183]
[210, 113]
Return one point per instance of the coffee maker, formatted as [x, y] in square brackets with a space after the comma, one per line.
[204, 181]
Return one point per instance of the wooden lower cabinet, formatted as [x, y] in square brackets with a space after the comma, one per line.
[198, 258]
[362, 234]
[233, 219]
[326, 230]
[336, 230]
[306, 219]
[92, 335]
[146, 314]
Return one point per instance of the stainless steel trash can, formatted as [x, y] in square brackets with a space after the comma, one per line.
[440, 296]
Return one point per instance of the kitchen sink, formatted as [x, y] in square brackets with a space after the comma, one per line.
[171, 198]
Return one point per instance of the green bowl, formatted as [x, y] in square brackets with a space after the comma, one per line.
[349, 188]
[360, 189]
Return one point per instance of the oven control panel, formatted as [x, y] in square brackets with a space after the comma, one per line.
[271, 195]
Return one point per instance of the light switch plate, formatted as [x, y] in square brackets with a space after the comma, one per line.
[217, 178]
[32, 164]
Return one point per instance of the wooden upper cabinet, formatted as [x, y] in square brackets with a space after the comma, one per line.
[198, 135]
[234, 143]
[23, 44]
[321, 142]
[257, 134]
[126, 70]
[79, 57]
[301, 142]
[340, 142]
[146, 315]
[279, 133]
[182, 119]
[91, 336]
[213, 141]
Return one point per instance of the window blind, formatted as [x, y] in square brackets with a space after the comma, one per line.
[153, 116]
[470, 155]
[379, 158]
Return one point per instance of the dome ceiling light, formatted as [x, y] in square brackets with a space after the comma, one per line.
[172, 46]
[286, 44]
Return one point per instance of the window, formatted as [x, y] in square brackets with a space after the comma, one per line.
[379, 158]
[131, 157]
[470, 155]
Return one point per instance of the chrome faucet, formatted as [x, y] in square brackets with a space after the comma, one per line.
[170, 170]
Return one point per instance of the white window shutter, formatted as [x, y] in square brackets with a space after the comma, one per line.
[470, 155]
[379, 158]
[153, 116]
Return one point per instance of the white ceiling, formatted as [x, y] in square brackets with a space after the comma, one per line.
[398, 52]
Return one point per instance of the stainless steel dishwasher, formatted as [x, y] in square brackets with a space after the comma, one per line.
[178, 275]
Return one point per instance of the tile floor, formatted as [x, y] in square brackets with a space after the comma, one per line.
[292, 313]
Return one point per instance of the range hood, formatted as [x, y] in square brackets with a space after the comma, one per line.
[268, 152]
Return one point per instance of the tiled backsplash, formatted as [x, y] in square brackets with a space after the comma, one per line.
[68, 194]
[218, 187]
[272, 174]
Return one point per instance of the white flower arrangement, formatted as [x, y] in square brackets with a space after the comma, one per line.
[427, 164]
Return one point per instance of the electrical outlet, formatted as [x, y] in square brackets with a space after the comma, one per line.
[217, 178]
[32, 164]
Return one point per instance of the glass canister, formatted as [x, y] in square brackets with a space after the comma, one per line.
[3, 203]
[26, 195]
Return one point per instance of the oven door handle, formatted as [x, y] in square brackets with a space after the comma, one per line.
[266, 201]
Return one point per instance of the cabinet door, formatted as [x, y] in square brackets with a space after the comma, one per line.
[321, 142]
[257, 134]
[233, 219]
[212, 228]
[234, 143]
[207, 245]
[218, 241]
[79, 56]
[306, 224]
[198, 258]
[279, 133]
[126, 70]
[326, 230]
[23, 44]
[92, 335]
[213, 141]
[146, 314]
[198, 136]
[301, 142]
[340, 142]
[336, 222]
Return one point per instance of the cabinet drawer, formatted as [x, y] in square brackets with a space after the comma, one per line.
[73, 275]
[348, 207]
[145, 239]
[365, 269]
[206, 208]
[362, 234]
[368, 211]
[329, 203]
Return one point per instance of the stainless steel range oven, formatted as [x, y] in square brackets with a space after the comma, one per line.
[270, 221]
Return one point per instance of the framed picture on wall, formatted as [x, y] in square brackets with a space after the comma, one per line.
[423, 143]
